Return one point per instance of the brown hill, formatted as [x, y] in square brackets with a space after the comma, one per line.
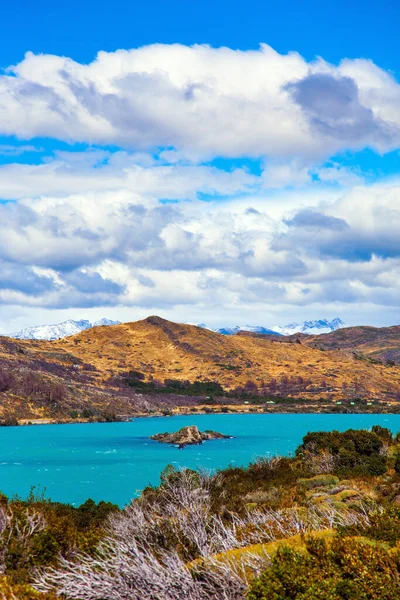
[164, 350]
[378, 343]
[91, 373]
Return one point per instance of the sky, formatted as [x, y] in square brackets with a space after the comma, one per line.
[210, 162]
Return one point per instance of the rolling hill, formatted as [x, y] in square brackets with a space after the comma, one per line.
[163, 350]
[377, 343]
[135, 367]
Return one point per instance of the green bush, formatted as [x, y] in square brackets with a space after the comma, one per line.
[383, 432]
[347, 569]
[397, 462]
[65, 529]
[357, 452]
[318, 481]
[383, 526]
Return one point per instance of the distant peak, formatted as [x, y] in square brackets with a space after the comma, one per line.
[57, 331]
[313, 327]
[239, 328]
[105, 322]
[337, 321]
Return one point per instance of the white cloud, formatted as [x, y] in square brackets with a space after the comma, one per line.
[125, 233]
[72, 172]
[204, 101]
[118, 248]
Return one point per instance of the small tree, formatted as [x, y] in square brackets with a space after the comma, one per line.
[397, 462]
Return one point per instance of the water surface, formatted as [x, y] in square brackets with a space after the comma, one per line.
[114, 461]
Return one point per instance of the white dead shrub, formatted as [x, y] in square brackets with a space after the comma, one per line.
[135, 561]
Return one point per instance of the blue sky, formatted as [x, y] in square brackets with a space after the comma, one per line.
[154, 158]
[79, 29]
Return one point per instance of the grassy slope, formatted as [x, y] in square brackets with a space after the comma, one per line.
[380, 343]
[164, 350]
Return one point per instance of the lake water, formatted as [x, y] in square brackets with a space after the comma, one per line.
[114, 461]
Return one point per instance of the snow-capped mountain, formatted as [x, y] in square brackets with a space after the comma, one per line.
[59, 330]
[252, 328]
[232, 330]
[310, 327]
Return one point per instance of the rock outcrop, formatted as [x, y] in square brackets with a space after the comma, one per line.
[188, 436]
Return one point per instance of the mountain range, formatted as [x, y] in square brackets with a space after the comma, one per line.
[315, 327]
[239, 328]
[71, 327]
[59, 330]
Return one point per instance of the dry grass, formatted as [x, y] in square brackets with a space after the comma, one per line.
[164, 350]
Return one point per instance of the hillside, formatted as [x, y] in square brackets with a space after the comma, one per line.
[163, 350]
[153, 364]
[379, 343]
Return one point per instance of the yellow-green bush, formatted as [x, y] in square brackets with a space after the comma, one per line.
[318, 481]
[346, 569]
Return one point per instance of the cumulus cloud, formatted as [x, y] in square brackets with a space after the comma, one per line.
[23, 279]
[118, 248]
[204, 101]
[312, 220]
[333, 108]
[91, 171]
[131, 228]
[363, 223]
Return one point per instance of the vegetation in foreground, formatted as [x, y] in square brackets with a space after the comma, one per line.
[322, 525]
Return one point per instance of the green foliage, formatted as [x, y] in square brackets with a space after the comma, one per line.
[357, 452]
[62, 528]
[318, 481]
[383, 433]
[264, 475]
[8, 591]
[197, 388]
[397, 462]
[347, 569]
[136, 379]
[172, 476]
[383, 525]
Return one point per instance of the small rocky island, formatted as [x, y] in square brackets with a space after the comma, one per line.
[188, 436]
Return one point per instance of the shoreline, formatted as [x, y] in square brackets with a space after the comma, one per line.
[217, 410]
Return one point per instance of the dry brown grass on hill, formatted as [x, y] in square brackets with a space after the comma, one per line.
[39, 381]
[379, 343]
[84, 374]
[164, 350]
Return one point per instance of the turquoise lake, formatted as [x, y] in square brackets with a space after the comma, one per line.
[114, 461]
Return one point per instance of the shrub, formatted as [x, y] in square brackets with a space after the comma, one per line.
[397, 462]
[383, 525]
[7, 380]
[21, 592]
[356, 452]
[318, 481]
[383, 432]
[347, 569]
[34, 533]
